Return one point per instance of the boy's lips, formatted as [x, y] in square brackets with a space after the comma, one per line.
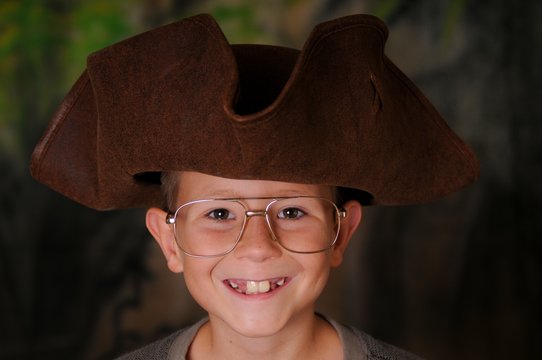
[254, 287]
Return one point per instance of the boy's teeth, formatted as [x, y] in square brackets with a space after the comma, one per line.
[252, 287]
[264, 286]
[256, 287]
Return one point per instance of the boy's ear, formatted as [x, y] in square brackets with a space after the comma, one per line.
[349, 224]
[163, 234]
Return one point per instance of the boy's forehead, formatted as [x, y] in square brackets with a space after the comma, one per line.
[196, 183]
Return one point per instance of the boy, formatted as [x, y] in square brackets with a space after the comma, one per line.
[265, 156]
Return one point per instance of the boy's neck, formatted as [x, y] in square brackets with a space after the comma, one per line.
[306, 338]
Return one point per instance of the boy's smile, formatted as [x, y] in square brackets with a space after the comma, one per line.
[259, 288]
[252, 287]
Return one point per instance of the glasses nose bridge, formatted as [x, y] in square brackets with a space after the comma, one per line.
[252, 213]
[264, 213]
[258, 212]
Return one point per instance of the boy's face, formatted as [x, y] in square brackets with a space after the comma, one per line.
[257, 263]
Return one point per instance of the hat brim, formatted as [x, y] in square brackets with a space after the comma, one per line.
[181, 98]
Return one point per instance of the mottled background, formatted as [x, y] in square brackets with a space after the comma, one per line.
[457, 279]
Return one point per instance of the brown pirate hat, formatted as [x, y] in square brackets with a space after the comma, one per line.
[180, 97]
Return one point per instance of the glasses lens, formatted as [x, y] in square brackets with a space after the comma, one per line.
[209, 227]
[304, 224]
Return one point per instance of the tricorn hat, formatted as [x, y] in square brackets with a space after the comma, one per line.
[180, 97]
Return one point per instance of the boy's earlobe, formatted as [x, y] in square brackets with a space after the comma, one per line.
[163, 234]
[349, 226]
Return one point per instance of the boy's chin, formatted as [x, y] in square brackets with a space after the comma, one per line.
[256, 326]
[262, 324]
[257, 332]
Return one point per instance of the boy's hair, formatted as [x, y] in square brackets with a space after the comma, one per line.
[169, 185]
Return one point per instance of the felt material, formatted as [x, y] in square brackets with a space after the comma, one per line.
[180, 97]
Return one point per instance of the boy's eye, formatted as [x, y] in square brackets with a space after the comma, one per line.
[221, 214]
[290, 213]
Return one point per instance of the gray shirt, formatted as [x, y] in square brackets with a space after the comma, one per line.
[355, 343]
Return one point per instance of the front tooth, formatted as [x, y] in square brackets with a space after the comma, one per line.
[264, 286]
[252, 287]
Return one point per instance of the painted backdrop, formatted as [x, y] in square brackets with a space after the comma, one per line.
[457, 279]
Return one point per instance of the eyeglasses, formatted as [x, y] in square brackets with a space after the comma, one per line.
[213, 227]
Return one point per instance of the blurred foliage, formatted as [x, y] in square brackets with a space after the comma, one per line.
[453, 9]
[95, 25]
[453, 14]
[384, 8]
[28, 31]
[238, 22]
[43, 46]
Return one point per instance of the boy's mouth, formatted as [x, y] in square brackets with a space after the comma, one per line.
[254, 287]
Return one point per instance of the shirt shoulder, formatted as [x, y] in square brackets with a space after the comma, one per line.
[174, 346]
[359, 345]
[379, 350]
[157, 350]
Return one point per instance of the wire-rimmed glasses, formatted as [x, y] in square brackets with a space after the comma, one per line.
[213, 227]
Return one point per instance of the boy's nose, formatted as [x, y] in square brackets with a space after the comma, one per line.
[257, 241]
